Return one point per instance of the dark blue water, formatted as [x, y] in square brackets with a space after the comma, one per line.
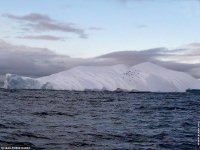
[59, 120]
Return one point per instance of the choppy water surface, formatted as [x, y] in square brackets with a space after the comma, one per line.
[98, 120]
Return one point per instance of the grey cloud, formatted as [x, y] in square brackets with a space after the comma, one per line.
[135, 57]
[43, 37]
[42, 22]
[195, 45]
[156, 55]
[33, 17]
[32, 61]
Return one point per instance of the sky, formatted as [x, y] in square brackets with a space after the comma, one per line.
[49, 36]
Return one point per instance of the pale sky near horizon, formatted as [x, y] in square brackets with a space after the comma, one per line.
[89, 28]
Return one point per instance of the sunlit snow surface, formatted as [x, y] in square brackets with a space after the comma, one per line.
[141, 77]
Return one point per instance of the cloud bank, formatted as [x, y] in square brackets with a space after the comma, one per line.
[32, 61]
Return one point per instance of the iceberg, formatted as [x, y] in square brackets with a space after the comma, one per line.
[18, 82]
[142, 77]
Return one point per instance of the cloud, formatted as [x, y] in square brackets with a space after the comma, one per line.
[184, 59]
[33, 17]
[40, 22]
[135, 57]
[33, 61]
[43, 37]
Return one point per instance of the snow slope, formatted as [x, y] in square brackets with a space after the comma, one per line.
[141, 77]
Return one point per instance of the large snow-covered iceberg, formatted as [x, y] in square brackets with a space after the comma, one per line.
[141, 77]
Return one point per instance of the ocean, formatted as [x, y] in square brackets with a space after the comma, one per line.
[71, 120]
